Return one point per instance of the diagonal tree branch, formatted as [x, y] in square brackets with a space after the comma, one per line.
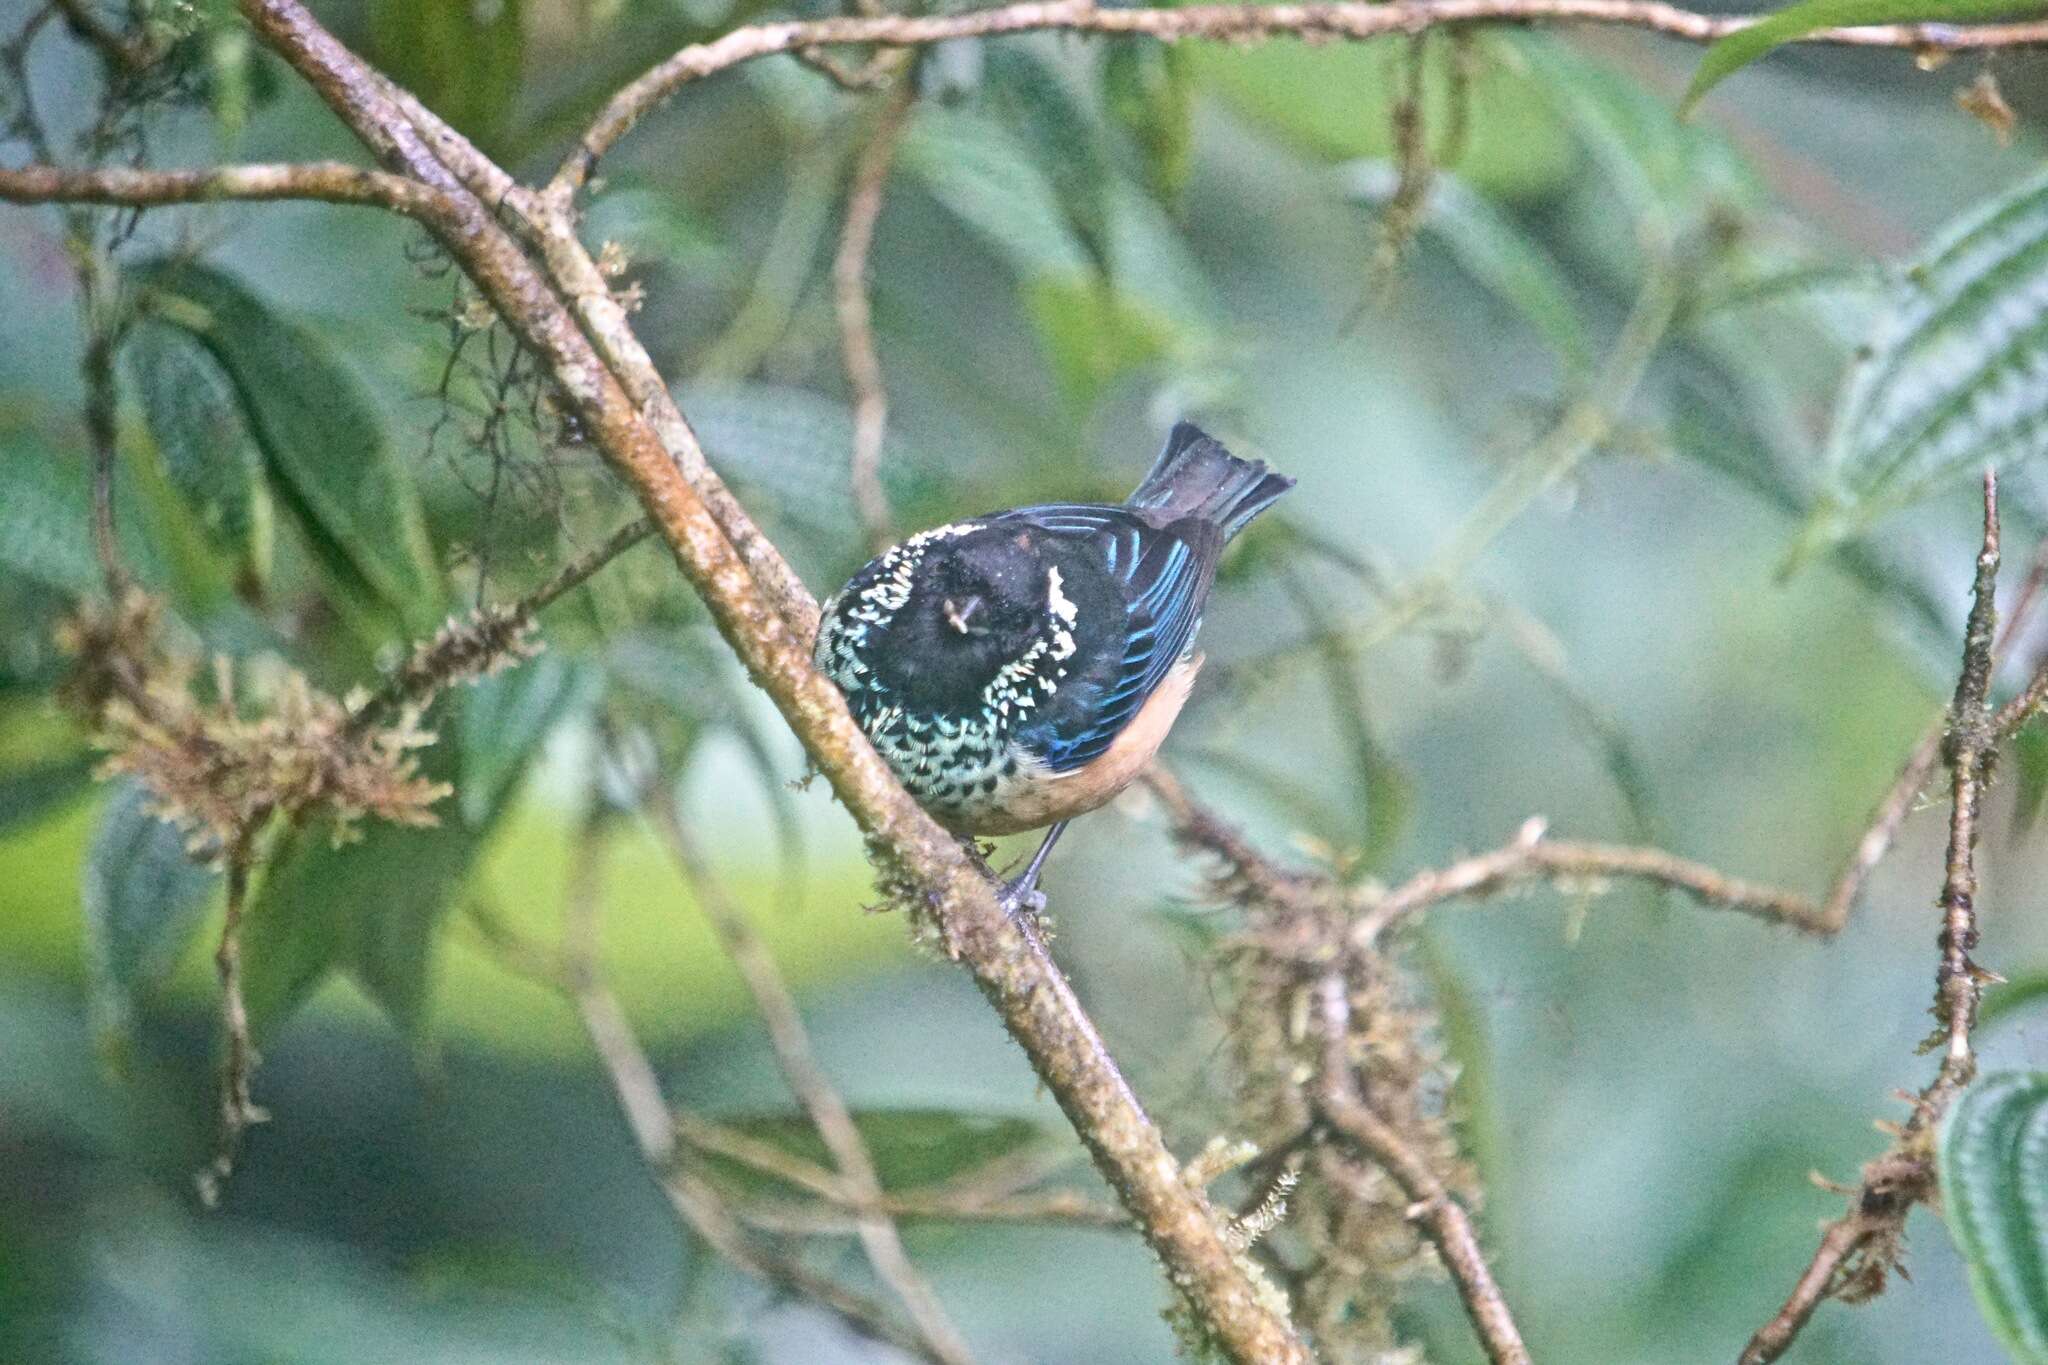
[753, 600]
[1531, 858]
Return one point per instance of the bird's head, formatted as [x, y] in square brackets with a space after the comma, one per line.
[977, 601]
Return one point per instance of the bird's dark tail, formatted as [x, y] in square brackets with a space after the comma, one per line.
[1196, 477]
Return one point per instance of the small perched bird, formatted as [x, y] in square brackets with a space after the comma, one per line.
[1019, 669]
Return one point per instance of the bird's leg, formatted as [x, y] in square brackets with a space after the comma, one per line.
[1023, 893]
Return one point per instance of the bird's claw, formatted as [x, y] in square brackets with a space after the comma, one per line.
[1018, 897]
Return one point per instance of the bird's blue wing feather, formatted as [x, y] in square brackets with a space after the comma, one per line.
[1163, 578]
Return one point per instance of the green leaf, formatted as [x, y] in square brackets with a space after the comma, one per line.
[1493, 250]
[372, 906]
[1025, 92]
[1672, 176]
[1334, 101]
[2006, 999]
[985, 175]
[144, 897]
[2030, 759]
[653, 221]
[461, 57]
[1148, 89]
[1093, 335]
[31, 793]
[46, 518]
[911, 1147]
[505, 719]
[1730, 54]
[1949, 382]
[788, 451]
[323, 445]
[208, 454]
[1994, 1186]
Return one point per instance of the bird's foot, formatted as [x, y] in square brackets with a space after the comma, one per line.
[1021, 895]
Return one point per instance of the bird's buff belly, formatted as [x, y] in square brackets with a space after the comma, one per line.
[1034, 796]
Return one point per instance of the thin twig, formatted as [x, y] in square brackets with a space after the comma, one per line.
[808, 1082]
[101, 407]
[633, 1078]
[238, 1112]
[468, 649]
[1258, 875]
[133, 54]
[856, 311]
[327, 181]
[1530, 857]
[1859, 1250]
[1060, 1208]
[1358, 19]
[1883, 830]
[1442, 1218]
[1904, 793]
[1969, 755]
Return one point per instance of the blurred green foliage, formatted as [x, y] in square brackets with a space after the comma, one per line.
[326, 448]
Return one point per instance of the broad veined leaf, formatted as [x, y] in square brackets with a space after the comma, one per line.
[461, 57]
[144, 897]
[208, 453]
[1730, 54]
[323, 445]
[1720, 422]
[911, 1147]
[505, 719]
[1994, 1188]
[1955, 377]
[1492, 249]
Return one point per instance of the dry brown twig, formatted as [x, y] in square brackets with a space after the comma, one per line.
[1858, 1251]
[696, 1201]
[856, 310]
[1443, 1218]
[829, 1115]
